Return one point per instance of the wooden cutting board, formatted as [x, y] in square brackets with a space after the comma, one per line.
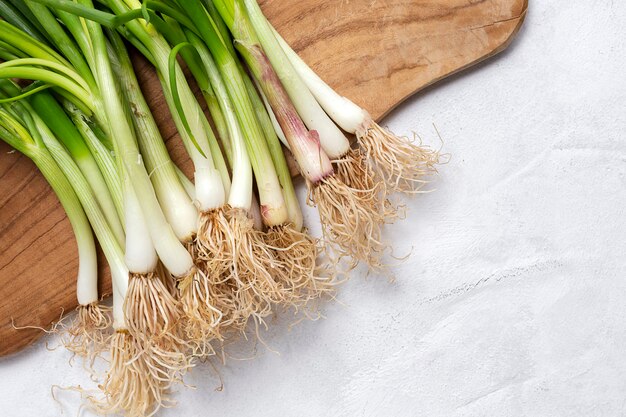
[376, 52]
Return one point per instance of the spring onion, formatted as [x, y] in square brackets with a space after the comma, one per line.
[351, 218]
[403, 165]
[195, 264]
[85, 338]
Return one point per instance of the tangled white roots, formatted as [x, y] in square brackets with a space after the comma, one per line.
[139, 379]
[202, 319]
[355, 170]
[351, 221]
[239, 270]
[402, 164]
[88, 334]
[211, 244]
[215, 257]
[154, 318]
[252, 272]
[298, 274]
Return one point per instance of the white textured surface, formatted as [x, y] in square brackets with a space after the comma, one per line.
[513, 302]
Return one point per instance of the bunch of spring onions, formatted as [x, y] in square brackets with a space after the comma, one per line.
[193, 264]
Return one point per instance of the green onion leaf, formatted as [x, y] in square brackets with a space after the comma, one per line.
[174, 85]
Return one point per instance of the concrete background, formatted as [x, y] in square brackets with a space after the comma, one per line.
[513, 301]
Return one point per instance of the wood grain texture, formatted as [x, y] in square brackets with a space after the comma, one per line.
[375, 52]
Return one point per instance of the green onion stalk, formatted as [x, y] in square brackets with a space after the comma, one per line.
[279, 279]
[217, 248]
[186, 182]
[201, 306]
[101, 149]
[94, 322]
[351, 217]
[152, 313]
[86, 334]
[188, 116]
[12, 12]
[237, 262]
[37, 61]
[49, 111]
[291, 246]
[268, 109]
[291, 201]
[177, 35]
[177, 205]
[243, 266]
[294, 246]
[73, 49]
[202, 319]
[405, 166]
[53, 114]
[351, 164]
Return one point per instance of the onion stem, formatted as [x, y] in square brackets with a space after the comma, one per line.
[404, 166]
[176, 204]
[101, 153]
[59, 123]
[272, 202]
[313, 161]
[59, 37]
[278, 155]
[112, 250]
[17, 135]
[332, 139]
[173, 254]
[210, 168]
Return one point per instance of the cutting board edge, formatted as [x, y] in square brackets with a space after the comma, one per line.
[505, 45]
